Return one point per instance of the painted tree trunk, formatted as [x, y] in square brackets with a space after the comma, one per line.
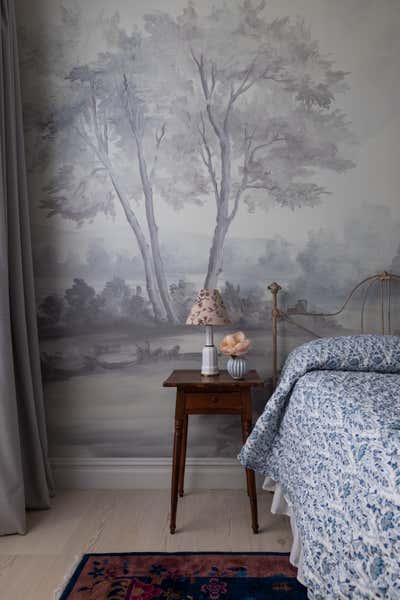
[215, 260]
[154, 239]
[160, 314]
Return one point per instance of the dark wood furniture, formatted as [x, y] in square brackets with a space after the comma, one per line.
[216, 395]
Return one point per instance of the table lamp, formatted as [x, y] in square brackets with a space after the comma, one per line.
[209, 310]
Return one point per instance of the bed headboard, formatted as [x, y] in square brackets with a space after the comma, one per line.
[382, 280]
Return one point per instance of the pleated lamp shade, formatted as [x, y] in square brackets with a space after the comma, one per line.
[209, 309]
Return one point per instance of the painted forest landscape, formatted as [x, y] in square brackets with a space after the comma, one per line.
[178, 145]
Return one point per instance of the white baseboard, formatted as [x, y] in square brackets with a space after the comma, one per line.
[145, 473]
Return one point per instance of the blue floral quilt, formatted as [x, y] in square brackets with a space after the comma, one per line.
[330, 435]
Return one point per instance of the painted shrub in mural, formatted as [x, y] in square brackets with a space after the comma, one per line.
[225, 108]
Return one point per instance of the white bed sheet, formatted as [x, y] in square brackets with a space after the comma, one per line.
[280, 506]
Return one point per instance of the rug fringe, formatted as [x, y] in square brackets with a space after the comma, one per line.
[60, 588]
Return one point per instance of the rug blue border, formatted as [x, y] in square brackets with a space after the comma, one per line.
[79, 568]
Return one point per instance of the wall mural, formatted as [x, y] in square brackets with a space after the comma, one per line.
[176, 145]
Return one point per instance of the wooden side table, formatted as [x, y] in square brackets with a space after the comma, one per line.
[217, 395]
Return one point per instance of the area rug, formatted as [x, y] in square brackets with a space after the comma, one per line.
[184, 576]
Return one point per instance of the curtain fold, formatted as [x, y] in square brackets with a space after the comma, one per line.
[25, 476]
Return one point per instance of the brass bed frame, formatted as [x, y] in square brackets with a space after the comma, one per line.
[383, 280]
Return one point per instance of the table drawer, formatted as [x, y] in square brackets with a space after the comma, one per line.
[209, 402]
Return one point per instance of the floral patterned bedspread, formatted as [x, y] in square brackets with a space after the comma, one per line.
[330, 435]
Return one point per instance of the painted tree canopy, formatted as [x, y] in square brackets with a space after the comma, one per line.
[228, 106]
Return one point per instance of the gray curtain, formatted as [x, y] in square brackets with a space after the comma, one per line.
[25, 477]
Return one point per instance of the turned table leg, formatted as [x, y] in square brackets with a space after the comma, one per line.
[250, 478]
[183, 456]
[175, 471]
[177, 453]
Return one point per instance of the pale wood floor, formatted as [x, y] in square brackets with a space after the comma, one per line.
[35, 565]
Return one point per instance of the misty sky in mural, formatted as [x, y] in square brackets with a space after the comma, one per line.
[175, 144]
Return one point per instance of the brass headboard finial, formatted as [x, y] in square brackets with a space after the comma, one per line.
[383, 280]
[274, 289]
[385, 276]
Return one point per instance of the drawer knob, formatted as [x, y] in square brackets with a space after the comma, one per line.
[214, 399]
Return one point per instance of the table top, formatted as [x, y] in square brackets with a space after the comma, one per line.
[193, 377]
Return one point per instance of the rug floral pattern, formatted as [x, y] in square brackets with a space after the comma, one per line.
[184, 576]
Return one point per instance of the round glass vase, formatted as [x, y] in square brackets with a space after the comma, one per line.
[237, 367]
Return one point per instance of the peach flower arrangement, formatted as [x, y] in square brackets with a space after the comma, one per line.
[235, 344]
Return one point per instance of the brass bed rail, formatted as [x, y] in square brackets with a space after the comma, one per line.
[383, 280]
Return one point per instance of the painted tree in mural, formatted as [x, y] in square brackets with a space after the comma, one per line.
[99, 121]
[76, 140]
[261, 108]
[141, 113]
[102, 130]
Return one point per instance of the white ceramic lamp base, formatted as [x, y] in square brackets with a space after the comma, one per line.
[209, 363]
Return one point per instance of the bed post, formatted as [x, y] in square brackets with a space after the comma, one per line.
[274, 289]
